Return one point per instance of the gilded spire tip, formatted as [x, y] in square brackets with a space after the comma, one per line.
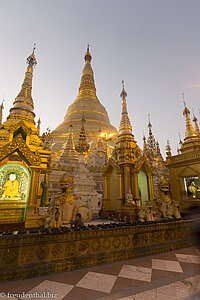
[31, 59]
[123, 93]
[88, 56]
[184, 100]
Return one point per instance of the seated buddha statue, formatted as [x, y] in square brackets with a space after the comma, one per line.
[11, 188]
[192, 189]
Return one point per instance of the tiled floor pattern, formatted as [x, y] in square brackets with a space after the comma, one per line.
[111, 280]
[185, 289]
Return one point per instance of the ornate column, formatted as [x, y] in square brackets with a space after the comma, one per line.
[120, 185]
[106, 187]
[32, 203]
[47, 179]
[106, 200]
[127, 181]
[150, 187]
[136, 194]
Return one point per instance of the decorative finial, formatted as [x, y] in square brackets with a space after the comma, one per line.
[178, 150]
[38, 125]
[168, 148]
[186, 110]
[180, 141]
[31, 59]
[149, 125]
[194, 117]
[1, 110]
[34, 47]
[183, 99]
[88, 56]
[123, 93]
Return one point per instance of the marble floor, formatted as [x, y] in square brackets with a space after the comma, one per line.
[168, 276]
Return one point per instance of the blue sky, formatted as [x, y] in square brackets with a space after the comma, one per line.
[153, 45]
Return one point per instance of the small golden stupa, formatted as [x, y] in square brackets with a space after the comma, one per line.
[24, 161]
[95, 114]
[128, 176]
[184, 168]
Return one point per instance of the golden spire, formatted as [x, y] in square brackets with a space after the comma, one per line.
[178, 150]
[144, 146]
[87, 78]
[1, 111]
[23, 105]
[125, 124]
[87, 70]
[180, 141]
[150, 126]
[38, 125]
[158, 153]
[82, 146]
[196, 126]
[189, 132]
[168, 148]
[68, 152]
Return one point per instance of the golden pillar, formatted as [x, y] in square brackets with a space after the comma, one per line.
[150, 187]
[33, 201]
[120, 186]
[136, 194]
[106, 187]
[127, 181]
[106, 200]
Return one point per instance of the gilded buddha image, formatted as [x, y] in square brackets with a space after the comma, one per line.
[11, 187]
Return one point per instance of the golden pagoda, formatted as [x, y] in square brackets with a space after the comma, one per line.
[184, 168]
[128, 176]
[24, 163]
[86, 102]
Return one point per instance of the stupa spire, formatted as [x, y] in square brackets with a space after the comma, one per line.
[180, 141]
[168, 149]
[1, 111]
[82, 146]
[150, 125]
[196, 126]
[68, 152]
[38, 125]
[23, 105]
[87, 78]
[144, 146]
[125, 124]
[189, 132]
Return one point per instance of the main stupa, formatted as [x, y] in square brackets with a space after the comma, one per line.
[86, 106]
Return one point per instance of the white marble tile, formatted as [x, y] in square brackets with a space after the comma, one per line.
[147, 295]
[174, 291]
[195, 282]
[51, 287]
[98, 282]
[183, 289]
[166, 265]
[137, 273]
[195, 259]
